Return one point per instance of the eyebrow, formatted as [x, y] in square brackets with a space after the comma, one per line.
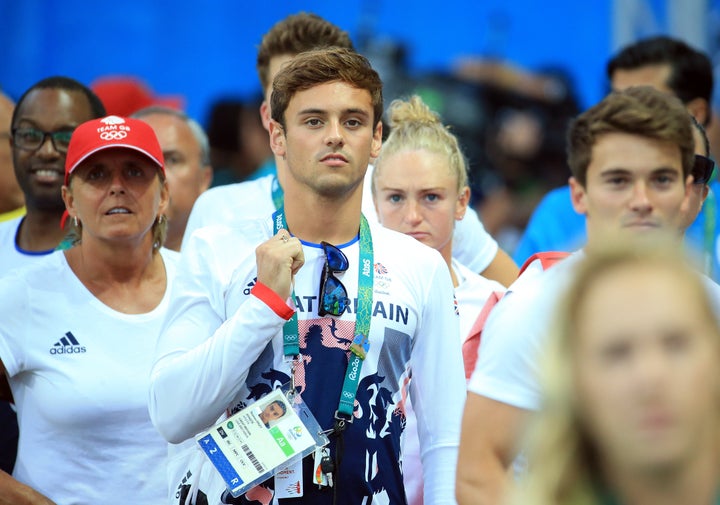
[625, 171]
[437, 189]
[614, 171]
[34, 124]
[361, 112]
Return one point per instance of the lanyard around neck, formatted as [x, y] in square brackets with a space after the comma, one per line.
[363, 313]
[277, 193]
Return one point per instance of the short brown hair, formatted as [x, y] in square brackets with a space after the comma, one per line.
[638, 110]
[312, 68]
[294, 35]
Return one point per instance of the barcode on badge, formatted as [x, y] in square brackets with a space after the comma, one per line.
[253, 459]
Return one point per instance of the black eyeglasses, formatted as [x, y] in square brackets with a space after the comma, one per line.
[30, 139]
[702, 169]
[333, 295]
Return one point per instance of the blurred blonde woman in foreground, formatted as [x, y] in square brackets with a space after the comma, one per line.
[632, 388]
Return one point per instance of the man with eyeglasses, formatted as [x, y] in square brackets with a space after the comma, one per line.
[40, 129]
[41, 126]
[351, 314]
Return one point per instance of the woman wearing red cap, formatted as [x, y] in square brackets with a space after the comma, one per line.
[78, 330]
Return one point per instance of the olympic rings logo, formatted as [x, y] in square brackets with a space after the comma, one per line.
[113, 135]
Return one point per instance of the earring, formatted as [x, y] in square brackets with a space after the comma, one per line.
[76, 223]
[161, 218]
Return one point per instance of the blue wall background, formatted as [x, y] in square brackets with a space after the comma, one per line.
[203, 51]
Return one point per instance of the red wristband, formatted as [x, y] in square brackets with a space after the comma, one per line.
[272, 300]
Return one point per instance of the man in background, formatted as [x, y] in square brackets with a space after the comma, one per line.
[187, 164]
[668, 65]
[12, 200]
[631, 157]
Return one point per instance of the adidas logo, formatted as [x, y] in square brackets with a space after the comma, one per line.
[67, 345]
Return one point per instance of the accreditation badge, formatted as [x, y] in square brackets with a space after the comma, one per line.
[264, 439]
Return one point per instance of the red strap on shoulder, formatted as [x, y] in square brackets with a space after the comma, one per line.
[547, 259]
[472, 342]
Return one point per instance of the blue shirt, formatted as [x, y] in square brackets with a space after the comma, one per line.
[553, 226]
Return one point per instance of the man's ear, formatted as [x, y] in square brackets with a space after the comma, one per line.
[700, 109]
[265, 115]
[277, 138]
[578, 196]
[462, 203]
[376, 141]
[164, 198]
[69, 200]
[207, 177]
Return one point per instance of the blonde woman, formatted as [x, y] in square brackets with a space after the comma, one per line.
[420, 188]
[631, 411]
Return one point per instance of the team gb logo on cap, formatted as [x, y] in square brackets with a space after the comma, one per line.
[114, 129]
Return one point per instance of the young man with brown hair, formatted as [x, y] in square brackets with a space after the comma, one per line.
[631, 157]
[382, 317]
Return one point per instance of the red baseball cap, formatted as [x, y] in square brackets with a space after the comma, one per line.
[124, 95]
[112, 132]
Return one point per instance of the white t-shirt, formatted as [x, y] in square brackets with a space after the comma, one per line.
[231, 204]
[79, 373]
[513, 337]
[471, 293]
[472, 245]
[12, 257]
[222, 349]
